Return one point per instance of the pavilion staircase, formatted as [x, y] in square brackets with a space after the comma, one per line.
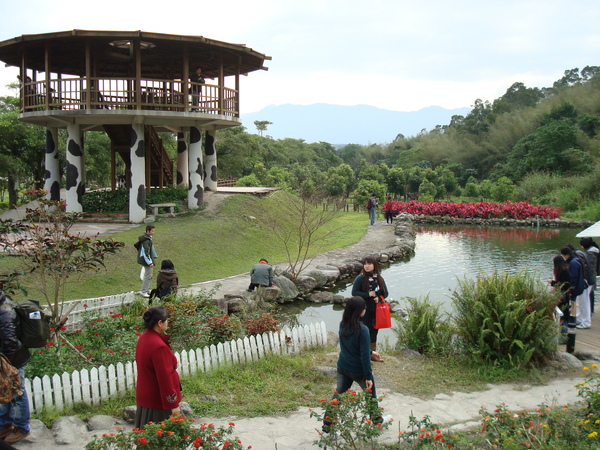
[159, 166]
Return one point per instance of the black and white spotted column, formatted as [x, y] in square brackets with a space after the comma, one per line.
[210, 162]
[196, 184]
[52, 166]
[137, 192]
[182, 159]
[75, 167]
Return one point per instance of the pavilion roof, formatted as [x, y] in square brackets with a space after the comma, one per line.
[162, 54]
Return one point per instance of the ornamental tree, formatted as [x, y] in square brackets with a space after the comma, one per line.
[48, 250]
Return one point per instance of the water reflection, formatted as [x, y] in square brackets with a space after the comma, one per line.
[445, 253]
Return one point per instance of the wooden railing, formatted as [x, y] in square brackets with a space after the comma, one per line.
[125, 93]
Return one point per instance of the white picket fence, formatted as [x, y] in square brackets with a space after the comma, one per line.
[101, 383]
[104, 306]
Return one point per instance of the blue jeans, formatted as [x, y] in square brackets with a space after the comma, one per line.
[372, 215]
[17, 411]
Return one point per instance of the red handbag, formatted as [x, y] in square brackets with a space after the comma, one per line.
[383, 317]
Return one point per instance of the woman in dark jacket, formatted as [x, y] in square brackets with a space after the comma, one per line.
[158, 391]
[354, 362]
[369, 284]
[14, 416]
[167, 281]
[561, 282]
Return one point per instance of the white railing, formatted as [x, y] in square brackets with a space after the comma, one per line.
[101, 383]
[102, 305]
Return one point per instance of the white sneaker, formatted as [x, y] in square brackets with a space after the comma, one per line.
[387, 418]
[145, 294]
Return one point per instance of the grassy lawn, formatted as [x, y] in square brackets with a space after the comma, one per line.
[203, 246]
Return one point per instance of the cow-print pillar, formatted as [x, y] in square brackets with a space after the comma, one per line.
[52, 181]
[196, 184]
[210, 162]
[182, 159]
[75, 168]
[137, 191]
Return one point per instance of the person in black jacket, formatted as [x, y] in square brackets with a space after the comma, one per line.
[14, 416]
[369, 284]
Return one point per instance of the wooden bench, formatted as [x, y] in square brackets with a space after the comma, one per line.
[155, 207]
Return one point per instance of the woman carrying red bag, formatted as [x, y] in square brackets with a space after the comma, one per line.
[369, 284]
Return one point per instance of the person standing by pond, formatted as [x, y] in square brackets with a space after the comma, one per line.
[388, 210]
[578, 283]
[370, 285]
[561, 282]
[354, 361]
[158, 391]
[592, 252]
[372, 208]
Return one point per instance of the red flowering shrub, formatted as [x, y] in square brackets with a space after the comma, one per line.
[174, 433]
[264, 323]
[481, 210]
[222, 329]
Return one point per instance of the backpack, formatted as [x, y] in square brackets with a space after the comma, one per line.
[34, 324]
[10, 380]
[368, 205]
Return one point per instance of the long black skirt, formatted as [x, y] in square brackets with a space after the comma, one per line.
[144, 416]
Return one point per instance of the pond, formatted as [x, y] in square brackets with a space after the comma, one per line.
[445, 253]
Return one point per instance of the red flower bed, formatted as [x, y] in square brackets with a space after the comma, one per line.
[481, 210]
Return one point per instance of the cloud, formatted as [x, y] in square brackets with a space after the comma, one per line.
[392, 54]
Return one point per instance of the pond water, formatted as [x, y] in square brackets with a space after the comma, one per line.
[445, 253]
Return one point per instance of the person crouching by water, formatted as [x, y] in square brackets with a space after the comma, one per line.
[261, 275]
[158, 391]
[369, 285]
[354, 361]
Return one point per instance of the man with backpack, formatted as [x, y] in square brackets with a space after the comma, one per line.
[146, 257]
[14, 416]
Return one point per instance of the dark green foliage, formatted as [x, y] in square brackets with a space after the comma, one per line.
[118, 201]
[506, 319]
[106, 201]
[425, 329]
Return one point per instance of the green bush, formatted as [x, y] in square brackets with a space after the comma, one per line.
[118, 201]
[106, 201]
[506, 319]
[425, 329]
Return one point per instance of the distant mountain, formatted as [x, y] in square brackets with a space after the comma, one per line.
[341, 125]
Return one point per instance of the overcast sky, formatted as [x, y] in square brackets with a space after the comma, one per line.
[393, 54]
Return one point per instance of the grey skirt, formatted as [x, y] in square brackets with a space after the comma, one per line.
[144, 416]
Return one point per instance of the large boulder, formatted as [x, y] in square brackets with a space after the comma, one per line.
[68, 430]
[324, 275]
[306, 284]
[270, 294]
[289, 291]
[350, 267]
[325, 297]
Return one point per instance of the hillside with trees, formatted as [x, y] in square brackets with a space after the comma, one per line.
[530, 144]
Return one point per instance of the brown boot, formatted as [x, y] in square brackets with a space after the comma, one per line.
[6, 431]
[15, 436]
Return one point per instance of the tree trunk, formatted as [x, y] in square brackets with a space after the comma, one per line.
[13, 191]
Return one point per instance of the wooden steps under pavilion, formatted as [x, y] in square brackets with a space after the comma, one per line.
[159, 166]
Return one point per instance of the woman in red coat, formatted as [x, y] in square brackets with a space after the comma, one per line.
[158, 391]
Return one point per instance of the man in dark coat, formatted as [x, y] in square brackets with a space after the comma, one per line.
[14, 416]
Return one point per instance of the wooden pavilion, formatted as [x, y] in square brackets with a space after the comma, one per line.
[131, 85]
